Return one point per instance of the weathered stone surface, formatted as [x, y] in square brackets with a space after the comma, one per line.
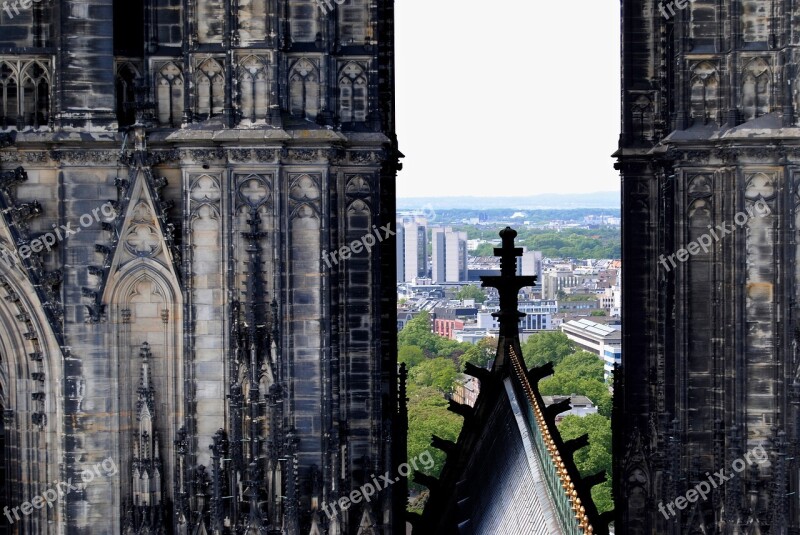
[710, 129]
[199, 231]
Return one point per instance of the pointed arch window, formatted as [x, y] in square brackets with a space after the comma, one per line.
[127, 76]
[304, 89]
[210, 95]
[705, 85]
[169, 95]
[756, 88]
[352, 93]
[35, 95]
[253, 88]
[9, 80]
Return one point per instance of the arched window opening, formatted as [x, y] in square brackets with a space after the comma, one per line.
[10, 96]
[127, 77]
[210, 96]
[36, 95]
[253, 89]
[304, 89]
[352, 94]
[704, 91]
[756, 89]
[169, 95]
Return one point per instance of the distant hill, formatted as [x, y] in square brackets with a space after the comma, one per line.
[602, 199]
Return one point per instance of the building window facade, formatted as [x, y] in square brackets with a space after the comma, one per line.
[352, 93]
[25, 85]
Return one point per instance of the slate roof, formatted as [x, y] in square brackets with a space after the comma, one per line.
[510, 472]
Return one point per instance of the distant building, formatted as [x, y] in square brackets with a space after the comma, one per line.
[602, 340]
[412, 247]
[449, 255]
[446, 327]
[579, 308]
[447, 320]
[581, 405]
[403, 317]
[467, 392]
[531, 264]
[482, 266]
[538, 315]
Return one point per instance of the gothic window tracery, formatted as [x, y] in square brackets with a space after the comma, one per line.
[352, 93]
[210, 88]
[10, 87]
[169, 95]
[24, 93]
[304, 89]
[756, 89]
[35, 94]
[253, 88]
[704, 84]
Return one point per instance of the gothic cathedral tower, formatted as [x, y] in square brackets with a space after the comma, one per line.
[176, 346]
[710, 162]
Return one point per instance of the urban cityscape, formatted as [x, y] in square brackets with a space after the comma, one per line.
[350, 267]
[572, 318]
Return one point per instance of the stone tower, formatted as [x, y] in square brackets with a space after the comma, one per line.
[172, 175]
[709, 157]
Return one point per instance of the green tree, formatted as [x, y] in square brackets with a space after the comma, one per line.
[598, 313]
[480, 354]
[547, 346]
[439, 373]
[417, 332]
[410, 355]
[471, 292]
[580, 373]
[484, 249]
[428, 416]
[594, 457]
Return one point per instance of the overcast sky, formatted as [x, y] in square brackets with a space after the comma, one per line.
[508, 97]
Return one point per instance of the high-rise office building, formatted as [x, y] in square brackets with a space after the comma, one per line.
[412, 247]
[448, 255]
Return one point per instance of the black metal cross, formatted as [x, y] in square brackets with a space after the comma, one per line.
[508, 284]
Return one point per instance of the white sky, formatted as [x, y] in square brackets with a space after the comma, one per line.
[518, 96]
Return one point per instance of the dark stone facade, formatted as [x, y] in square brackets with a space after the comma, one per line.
[205, 154]
[711, 368]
